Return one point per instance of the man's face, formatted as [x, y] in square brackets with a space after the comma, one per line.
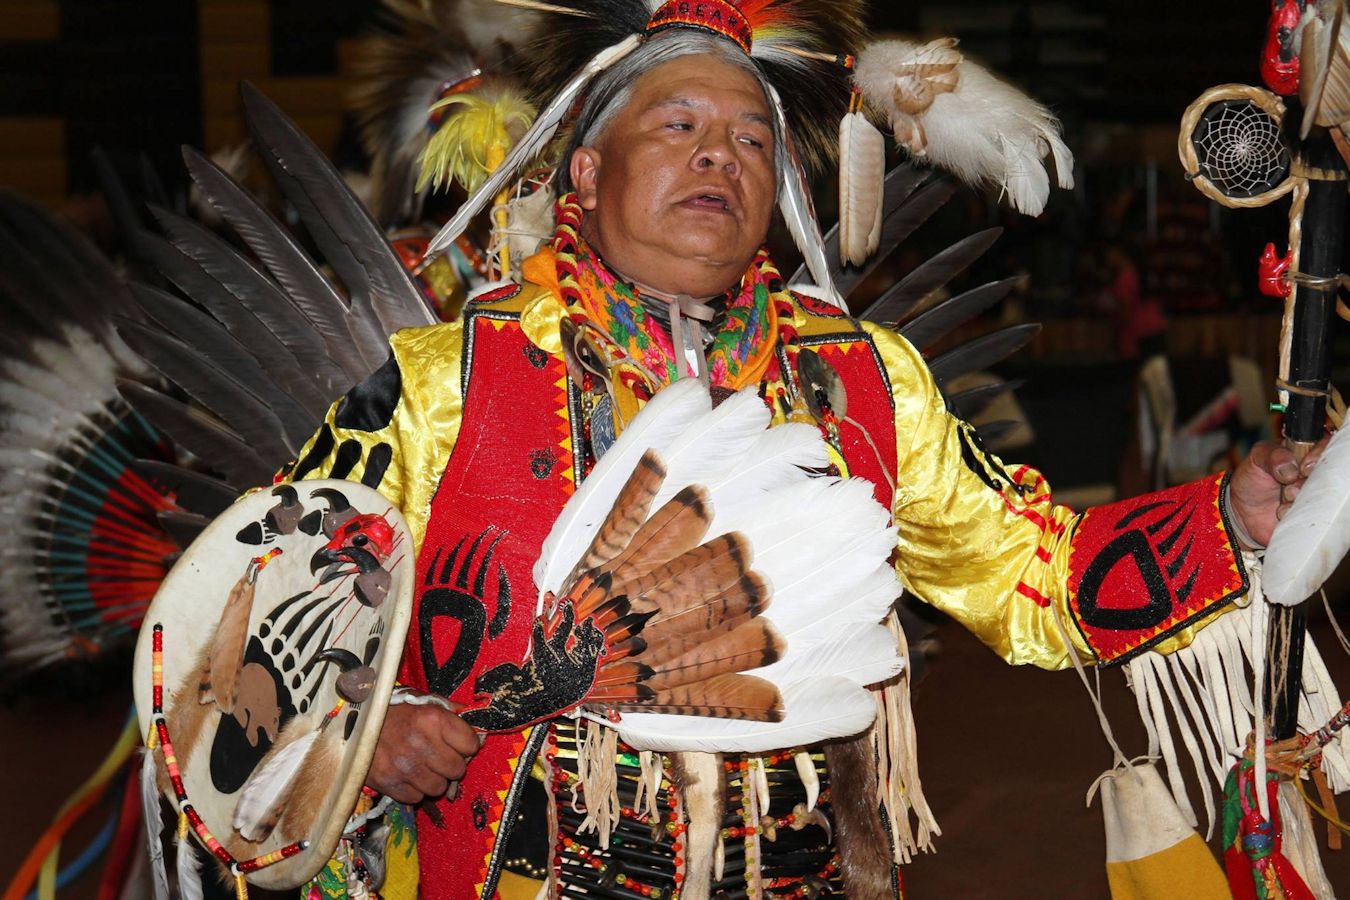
[680, 187]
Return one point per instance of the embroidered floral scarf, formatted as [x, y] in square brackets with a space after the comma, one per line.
[742, 348]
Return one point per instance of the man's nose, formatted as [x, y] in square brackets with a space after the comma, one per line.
[717, 151]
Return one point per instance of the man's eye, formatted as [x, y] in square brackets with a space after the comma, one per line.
[679, 126]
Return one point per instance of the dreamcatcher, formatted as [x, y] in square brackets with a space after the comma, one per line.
[1233, 148]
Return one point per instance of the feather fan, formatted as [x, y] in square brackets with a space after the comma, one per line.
[961, 117]
[1314, 535]
[730, 601]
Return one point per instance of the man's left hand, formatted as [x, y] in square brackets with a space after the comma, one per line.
[1265, 484]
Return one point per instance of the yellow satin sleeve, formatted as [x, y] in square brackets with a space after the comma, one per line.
[420, 433]
[990, 558]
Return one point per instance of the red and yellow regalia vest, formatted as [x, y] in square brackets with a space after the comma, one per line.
[514, 465]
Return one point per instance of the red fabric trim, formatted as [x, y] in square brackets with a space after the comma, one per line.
[506, 481]
[1027, 590]
[1145, 567]
[869, 407]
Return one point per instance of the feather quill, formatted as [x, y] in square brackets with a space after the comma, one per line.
[1313, 537]
[794, 202]
[154, 825]
[529, 145]
[862, 173]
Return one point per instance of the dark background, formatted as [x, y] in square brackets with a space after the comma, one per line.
[1007, 753]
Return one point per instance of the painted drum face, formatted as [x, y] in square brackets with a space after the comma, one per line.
[265, 668]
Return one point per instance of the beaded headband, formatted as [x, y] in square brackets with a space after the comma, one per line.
[716, 16]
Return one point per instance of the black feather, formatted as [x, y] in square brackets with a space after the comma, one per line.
[971, 402]
[924, 329]
[191, 490]
[308, 374]
[204, 436]
[214, 347]
[351, 241]
[982, 352]
[928, 276]
[236, 406]
[301, 280]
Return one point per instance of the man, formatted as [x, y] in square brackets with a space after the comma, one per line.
[666, 198]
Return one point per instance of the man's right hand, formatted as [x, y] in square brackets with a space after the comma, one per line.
[422, 750]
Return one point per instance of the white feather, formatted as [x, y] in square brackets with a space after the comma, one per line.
[713, 444]
[794, 201]
[154, 825]
[267, 785]
[816, 710]
[189, 871]
[659, 424]
[1313, 537]
[864, 653]
[529, 145]
[984, 131]
[862, 175]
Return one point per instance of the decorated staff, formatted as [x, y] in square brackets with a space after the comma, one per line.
[1243, 147]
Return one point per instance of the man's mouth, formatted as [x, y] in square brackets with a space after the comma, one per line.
[710, 201]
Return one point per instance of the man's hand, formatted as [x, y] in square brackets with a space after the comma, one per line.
[1264, 486]
[422, 750]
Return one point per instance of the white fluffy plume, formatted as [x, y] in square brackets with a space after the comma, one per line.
[1313, 537]
[961, 117]
[822, 544]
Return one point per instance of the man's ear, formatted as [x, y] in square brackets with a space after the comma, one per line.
[584, 170]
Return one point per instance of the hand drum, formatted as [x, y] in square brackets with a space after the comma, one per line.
[264, 669]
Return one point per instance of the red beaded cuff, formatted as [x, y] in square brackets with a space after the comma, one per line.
[1142, 569]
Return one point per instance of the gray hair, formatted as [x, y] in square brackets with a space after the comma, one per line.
[612, 89]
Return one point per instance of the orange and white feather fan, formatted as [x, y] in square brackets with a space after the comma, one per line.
[739, 595]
